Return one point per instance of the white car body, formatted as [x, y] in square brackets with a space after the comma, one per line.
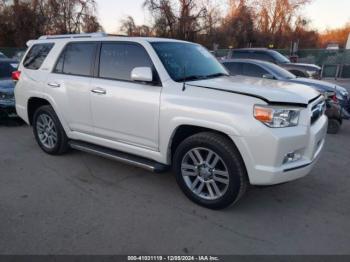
[141, 120]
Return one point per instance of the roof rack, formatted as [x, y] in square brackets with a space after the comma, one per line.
[73, 36]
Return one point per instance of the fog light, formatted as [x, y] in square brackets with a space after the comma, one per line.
[292, 157]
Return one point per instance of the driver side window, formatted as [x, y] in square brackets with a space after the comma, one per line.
[254, 71]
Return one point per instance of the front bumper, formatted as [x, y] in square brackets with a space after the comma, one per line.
[264, 157]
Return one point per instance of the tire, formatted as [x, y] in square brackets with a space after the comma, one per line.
[58, 144]
[229, 172]
[333, 126]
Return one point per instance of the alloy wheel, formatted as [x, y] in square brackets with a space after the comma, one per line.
[205, 173]
[46, 130]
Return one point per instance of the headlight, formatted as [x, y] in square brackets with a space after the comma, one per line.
[344, 93]
[276, 117]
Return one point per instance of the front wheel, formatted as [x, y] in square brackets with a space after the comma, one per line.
[210, 170]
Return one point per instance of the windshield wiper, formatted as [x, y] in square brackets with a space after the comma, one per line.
[201, 77]
[216, 75]
[192, 78]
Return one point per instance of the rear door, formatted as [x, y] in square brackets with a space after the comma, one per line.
[70, 83]
[123, 110]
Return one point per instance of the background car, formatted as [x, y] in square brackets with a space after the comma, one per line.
[256, 68]
[19, 55]
[7, 86]
[268, 55]
[2, 56]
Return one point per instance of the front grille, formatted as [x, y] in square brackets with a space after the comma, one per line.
[317, 111]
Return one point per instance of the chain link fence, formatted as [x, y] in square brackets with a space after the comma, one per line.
[334, 63]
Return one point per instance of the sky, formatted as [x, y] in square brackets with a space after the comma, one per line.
[324, 14]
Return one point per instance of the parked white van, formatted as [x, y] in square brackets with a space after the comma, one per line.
[160, 103]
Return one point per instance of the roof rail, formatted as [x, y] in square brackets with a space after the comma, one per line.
[72, 36]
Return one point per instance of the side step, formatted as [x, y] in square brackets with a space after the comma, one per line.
[119, 156]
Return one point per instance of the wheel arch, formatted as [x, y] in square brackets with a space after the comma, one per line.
[33, 104]
[184, 131]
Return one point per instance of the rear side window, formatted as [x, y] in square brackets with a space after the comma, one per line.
[264, 57]
[77, 59]
[242, 54]
[117, 60]
[37, 55]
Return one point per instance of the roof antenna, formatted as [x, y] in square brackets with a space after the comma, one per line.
[184, 79]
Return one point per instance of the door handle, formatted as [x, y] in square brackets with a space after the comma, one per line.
[54, 85]
[99, 91]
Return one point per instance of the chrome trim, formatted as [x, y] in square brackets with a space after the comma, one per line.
[99, 91]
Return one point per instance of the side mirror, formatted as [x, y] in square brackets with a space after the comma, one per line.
[142, 74]
[268, 76]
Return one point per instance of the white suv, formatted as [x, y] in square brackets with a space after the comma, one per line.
[157, 103]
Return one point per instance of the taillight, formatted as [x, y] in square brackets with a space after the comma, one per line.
[335, 99]
[16, 75]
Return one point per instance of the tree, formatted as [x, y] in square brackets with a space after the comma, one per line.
[177, 19]
[41, 17]
[275, 19]
[239, 25]
[128, 26]
[339, 35]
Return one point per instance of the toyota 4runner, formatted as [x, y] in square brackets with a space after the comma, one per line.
[159, 103]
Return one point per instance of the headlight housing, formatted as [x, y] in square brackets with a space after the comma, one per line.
[344, 93]
[312, 72]
[277, 117]
[340, 96]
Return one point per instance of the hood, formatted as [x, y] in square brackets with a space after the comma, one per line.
[7, 85]
[323, 85]
[271, 91]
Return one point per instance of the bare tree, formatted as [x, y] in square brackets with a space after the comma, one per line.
[39, 17]
[128, 26]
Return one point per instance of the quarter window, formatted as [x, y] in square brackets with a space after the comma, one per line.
[77, 59]
[117, 60]
[37, 55]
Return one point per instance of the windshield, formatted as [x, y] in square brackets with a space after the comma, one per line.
[188, 62]
[280, 58]
[6, 69]
[280, 72]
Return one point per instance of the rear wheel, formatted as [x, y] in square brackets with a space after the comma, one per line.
[49, 132]
[210, 170]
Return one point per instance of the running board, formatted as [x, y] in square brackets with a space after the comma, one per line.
[119, 156]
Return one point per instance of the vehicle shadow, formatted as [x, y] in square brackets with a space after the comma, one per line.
[11, 122]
